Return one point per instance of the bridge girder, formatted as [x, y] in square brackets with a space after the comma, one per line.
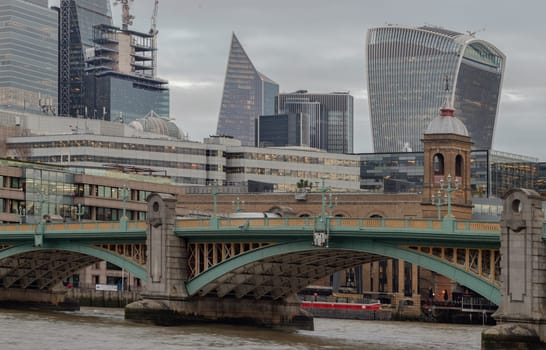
[258, 273]
[43, 268]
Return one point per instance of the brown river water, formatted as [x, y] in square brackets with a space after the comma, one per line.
[100, 328]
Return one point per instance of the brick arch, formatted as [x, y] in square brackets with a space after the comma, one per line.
[376, 215]
[341, 214]
[304, 214]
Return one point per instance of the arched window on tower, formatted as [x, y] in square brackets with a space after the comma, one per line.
[438, 164]
[459, 166]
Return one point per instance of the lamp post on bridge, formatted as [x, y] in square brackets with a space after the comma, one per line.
[21, 213]
[320, 236]
[448, 191]
[438, 202]
[331, 205]
[214, 216]
[238, 204]
[80, 211]
[124, 196]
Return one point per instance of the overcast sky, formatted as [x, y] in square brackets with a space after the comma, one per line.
[320, 46]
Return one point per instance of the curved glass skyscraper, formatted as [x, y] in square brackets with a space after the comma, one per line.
[407, 70]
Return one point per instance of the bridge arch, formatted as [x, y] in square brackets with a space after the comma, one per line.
[52, 269]
[292, 266]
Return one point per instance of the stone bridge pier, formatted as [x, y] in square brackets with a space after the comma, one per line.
[166, 300]
[521, 316]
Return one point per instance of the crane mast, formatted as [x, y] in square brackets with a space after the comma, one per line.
[153, 32]
[126, 17]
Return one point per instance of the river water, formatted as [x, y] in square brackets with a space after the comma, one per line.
[99, 328]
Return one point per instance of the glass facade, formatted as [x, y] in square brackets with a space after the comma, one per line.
[48, 192]
[28, 76]
[407, 70]
[76, 21]
[247, 95]
[330, 117]
[314, 113]
[492, 173]
[281, 130]
[118, 97]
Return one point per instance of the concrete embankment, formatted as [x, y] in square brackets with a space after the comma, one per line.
[103, 298]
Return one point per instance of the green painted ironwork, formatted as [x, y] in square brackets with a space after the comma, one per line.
[468, 279]
[102, 254]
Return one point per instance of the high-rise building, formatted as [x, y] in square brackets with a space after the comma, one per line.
[106, 72]
[330, 117]
[76, 21]
[120, 76]
[247, 95]
[28, 56]
[280, 130]
[407, 70]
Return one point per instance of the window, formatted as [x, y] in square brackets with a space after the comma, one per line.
[438, 164]
[459, 166]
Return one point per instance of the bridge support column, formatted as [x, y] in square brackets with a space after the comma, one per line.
[521, 317]
[166, 300]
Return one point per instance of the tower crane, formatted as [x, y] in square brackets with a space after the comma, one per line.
[153, 29]
[126, 17]
[153, 32]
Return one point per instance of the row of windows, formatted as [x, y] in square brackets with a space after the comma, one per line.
[292, 173]
[292, 159]
[119, 145]
[130, 161]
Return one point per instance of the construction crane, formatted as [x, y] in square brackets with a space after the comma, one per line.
[153, 32]
[126, 17]
[153, 29]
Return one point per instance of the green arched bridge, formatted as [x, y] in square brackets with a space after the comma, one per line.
[261, 258]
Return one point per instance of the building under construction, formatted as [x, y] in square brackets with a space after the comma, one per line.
[113, 76]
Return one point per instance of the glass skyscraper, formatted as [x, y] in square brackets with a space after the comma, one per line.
[330, 117]
[407, 71]
[28, 55]
[76, 21]
[247, 95]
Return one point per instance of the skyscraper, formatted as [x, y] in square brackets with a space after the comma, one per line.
[28, 55]
[247, 95]
[407, 70]
[76, 21]
[280, 130]
[330, 117]
[120, 76]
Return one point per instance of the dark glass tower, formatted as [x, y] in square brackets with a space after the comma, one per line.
[28, 56]
[76, 21]
[407, 69]
[247, 95]
[280, 130]
[330, 118]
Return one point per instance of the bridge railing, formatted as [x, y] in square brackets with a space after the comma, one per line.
[76, 226]
[290, 223]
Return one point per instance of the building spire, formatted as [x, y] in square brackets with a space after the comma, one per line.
[447, 109]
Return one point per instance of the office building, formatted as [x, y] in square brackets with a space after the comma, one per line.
[120, 77]
[155, 146]
[407, 69]
[28, 58]
[280, 130]
[76, 21]
[106, 72]
[330, 117]
[247, 95]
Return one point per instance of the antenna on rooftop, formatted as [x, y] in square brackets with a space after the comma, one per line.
[473, 33]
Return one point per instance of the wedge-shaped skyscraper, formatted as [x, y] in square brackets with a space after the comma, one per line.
[407, 70]
[247, 95]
